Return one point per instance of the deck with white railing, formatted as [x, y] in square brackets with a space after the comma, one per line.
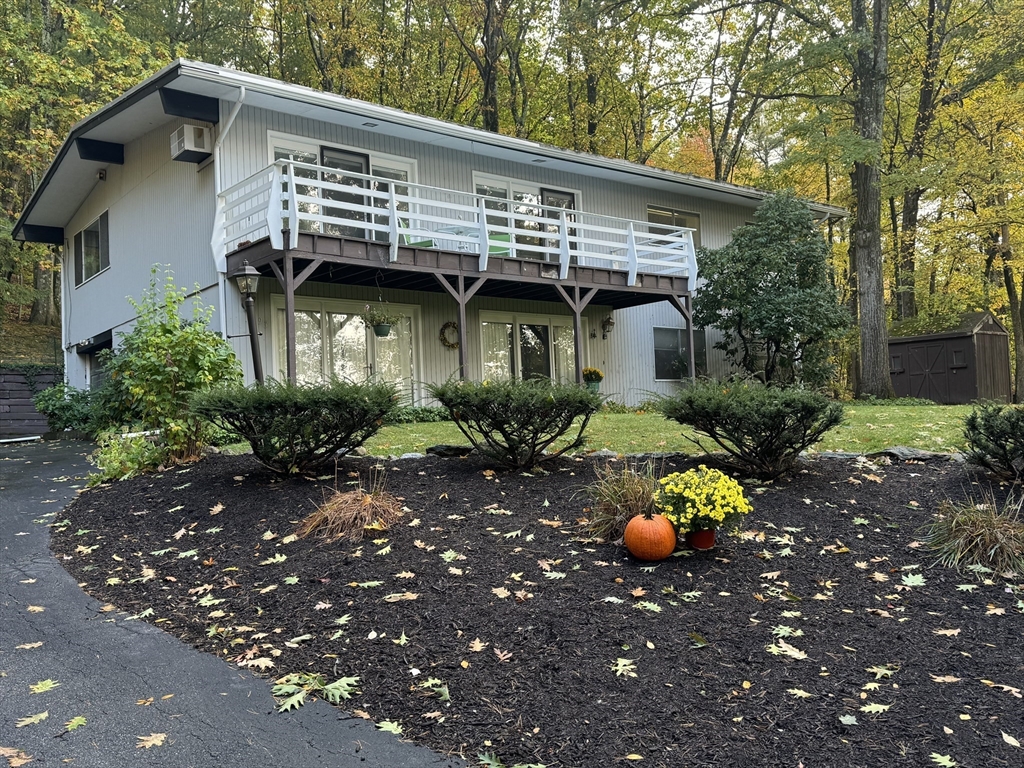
[291, 199]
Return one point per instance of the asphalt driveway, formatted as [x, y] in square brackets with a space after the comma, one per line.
[128, 679]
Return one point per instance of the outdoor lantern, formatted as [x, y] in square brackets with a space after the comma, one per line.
[248, 279]
[606, 326]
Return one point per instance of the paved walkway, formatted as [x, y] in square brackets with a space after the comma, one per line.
[212, 713]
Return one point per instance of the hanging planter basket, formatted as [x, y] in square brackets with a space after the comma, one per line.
[382, 331]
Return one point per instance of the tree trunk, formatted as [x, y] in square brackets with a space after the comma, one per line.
[44, 311]
[870, 73]
[1013, 294]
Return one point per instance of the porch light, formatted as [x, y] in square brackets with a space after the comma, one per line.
[248, 279]
[606, 326]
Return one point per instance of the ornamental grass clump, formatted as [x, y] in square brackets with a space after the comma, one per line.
[345, 515]
[618, 495]
[701, 499]
[979, 534]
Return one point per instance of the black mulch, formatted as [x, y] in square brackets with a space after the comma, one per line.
[828, 570]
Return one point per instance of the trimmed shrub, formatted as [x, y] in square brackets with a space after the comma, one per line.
[298, 428]
[514, 422]
[763, 428]
[618, 495]
[995, 439]
[69, 408]
[979, 535]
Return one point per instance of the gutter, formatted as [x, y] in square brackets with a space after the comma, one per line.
[221, 264]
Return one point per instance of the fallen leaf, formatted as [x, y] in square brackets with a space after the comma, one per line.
[43, 686]
[36, 609]
[945, 679]
[502, 655]
[32, 719]
[947, 632]
[1010, 740]
[153, 740]
[638, 592]
[799, 693]
[477, 645]
[875, 708]
[74, 723]
[944, 760]
[218, 507]
[15, 757]
[994, 610]
[501, 592]
[399, 596]
[28, 646]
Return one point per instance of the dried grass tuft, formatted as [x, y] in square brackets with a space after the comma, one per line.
[618, 495]
[979, 534]
[345, 515]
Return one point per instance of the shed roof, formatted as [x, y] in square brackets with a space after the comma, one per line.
[966, 324]
[70, 178]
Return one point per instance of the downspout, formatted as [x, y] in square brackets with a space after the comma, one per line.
[221, 263]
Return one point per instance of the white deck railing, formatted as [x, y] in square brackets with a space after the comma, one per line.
[303, 198]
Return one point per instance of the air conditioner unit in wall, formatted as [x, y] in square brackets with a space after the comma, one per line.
[191, 144]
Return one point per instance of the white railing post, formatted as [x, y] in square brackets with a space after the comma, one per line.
[393, 222]
[563, 243]
[293, 209]
[691, 264]
[275, 217]
[485, 245]
[631, 256]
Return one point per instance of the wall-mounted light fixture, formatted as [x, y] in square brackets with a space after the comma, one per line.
[248, 279]
[606, 326]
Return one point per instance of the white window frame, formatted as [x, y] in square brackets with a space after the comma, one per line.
[104, 239]
[528, 187]
[525, 318]
[697, 231]
[279, 138]
[346, 306]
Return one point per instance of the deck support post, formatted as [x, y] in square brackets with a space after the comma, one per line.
[682, 305]
[286, 276]
[462, 295]
[577, 304]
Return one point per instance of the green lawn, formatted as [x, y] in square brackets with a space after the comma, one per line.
[867, 428]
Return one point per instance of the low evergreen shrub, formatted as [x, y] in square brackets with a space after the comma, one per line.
[995, 439]
[418, 414]
[298, 428]
[763, 428]
[515, 423]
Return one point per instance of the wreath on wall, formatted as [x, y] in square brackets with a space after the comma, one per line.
[451, 325]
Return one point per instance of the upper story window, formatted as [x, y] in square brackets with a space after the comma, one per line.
[673, 220]
[92, 250]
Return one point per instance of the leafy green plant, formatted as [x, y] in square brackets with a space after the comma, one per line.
[121, 456]
[995, 439]
[297, 428]
[974, 534]
[377, 314]
[763, 428]
[701, 499]
[418, 414]
[770, 291]
[66, 407]
[516, 423]
[162, 361]
[619, 494]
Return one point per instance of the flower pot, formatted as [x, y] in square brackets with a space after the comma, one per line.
[594, 386]
[382, 331]
[702, 539]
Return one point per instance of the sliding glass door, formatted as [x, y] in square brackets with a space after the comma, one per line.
[527, 347]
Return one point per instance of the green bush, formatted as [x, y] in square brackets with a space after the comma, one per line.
[418, 414]
[763, 428]
[162, 361]
[69, 408]
[514, 422]
[121, 456]
[297, 428]
[995, 439]
[979, 535]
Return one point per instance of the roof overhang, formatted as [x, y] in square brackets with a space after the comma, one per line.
[193, 89]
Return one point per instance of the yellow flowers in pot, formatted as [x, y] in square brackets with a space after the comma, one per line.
[701, 499]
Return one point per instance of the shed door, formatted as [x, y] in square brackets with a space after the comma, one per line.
[927, 369]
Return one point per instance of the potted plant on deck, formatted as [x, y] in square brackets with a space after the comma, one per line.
[592, 377]
[378, 318]
[700, 501]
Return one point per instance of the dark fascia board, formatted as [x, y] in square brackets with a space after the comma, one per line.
[190, 105]
[100, 151]
[129, 98]
[34, 233]
[103, 340]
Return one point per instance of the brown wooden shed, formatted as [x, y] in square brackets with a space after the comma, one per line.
[967, 361]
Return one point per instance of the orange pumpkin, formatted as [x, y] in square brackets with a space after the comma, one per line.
[650, 537]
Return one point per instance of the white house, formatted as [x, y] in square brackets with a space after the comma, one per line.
[503, 257]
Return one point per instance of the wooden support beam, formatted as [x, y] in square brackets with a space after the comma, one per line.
[577, 304]
[682, 305]
[462, 295]
[309, 270]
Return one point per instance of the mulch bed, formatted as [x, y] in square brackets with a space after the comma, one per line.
[523, 621]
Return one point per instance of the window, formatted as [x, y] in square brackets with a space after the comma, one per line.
[530, 346]
[671, 220]
[332, 342]
[343, 164]
[895, 363]
[92, 250]
[510, 196]
[672, 354]
[959, 358]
